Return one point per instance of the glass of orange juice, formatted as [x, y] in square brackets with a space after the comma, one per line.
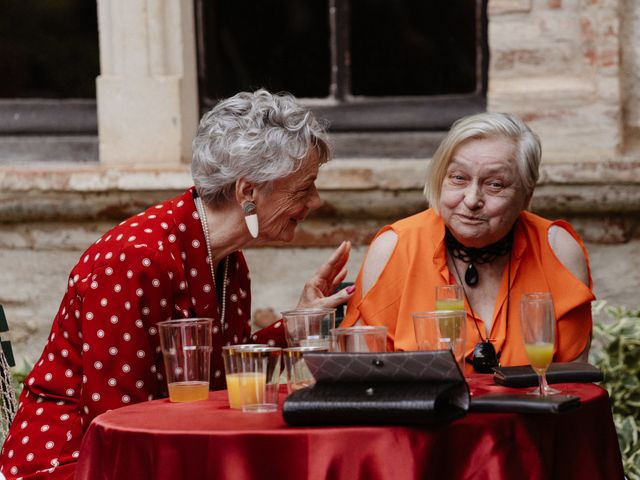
[537, 321]
[233, 371]
[259, 380]
[253, 377]
[186, 349]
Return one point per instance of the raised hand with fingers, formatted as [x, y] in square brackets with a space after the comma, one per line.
[318, 290]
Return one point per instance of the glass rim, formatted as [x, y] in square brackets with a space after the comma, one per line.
[536, 297]
[295, 351]
[438, 313]
[242, 346]
[307, 311]
[186, 321]
[360, 328]
[258, 351]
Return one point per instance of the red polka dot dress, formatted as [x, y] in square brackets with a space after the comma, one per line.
[103, 351]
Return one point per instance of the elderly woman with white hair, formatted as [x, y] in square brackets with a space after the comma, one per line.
[479, 234]
[255, 161]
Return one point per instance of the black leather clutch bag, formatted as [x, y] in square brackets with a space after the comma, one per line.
[398, 388]
[504, 402]
[570, 372]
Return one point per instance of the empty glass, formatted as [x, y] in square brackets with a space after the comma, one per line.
[309, 327]
[368, 338]
[298, 374]
[442, 330]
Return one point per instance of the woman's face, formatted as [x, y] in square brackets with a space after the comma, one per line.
[482, 194]
[289, 201]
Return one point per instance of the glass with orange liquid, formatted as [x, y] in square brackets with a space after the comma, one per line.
[186, 349]
[253, 377]
[537, 320]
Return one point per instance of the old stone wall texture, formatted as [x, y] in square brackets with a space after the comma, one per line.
[570, 68]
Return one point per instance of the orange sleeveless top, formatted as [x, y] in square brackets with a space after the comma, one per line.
[418, 263]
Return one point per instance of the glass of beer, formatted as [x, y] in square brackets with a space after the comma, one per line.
[449, 297]
[186, 349]
[537, 320]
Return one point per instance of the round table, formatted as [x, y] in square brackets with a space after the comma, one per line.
[206, 439]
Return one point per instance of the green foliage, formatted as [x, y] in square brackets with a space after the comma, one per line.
[616, 351]
[18, 377]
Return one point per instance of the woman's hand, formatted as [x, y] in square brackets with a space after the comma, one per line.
[318, 291]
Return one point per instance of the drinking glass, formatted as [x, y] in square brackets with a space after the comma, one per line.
[442, 330]
[298, 374]
[186, 349]
[367, 338]
[259, 379]
[233, 371]
[309, 327]
[537, 320]
[449, 297]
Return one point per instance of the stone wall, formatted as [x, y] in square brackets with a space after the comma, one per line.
[571, 68]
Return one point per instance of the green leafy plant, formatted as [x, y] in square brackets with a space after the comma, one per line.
[616, 351]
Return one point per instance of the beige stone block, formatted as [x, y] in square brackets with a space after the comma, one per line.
[11, 238]
[502, 7]
[387, 174]
[140, 122]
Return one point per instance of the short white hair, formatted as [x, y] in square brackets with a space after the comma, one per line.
[527, 148]
[257, 135]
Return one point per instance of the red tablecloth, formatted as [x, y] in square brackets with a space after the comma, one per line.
[207, 440]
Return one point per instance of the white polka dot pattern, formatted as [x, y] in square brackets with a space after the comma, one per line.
[103, 350]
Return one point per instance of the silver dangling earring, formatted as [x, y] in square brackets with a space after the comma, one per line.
[251, 218]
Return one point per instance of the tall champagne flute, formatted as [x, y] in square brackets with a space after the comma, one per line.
[538, 323]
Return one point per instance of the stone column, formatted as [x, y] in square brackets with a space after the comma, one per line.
[147, 91]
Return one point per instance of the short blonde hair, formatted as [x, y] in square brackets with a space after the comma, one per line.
[528, 150]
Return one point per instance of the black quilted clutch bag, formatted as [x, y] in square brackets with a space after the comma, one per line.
[523, 403]
[399, 388]
[569, 372]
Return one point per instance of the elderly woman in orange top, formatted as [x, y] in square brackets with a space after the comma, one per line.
[479, 234]
[255, 161]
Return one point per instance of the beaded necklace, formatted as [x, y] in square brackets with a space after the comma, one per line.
[472, 255]
[205, 228]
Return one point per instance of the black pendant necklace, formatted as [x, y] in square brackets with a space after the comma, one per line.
[484, 357]
[472, 255]
[471, 276]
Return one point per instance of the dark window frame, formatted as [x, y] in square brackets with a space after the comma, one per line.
[349, 113]
[48, 117]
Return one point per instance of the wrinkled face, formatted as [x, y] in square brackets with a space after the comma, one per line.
[482, 193]
[289, 201]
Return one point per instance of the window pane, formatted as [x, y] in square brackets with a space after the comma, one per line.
[276, 44]
[48, 49]
[413, 47]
